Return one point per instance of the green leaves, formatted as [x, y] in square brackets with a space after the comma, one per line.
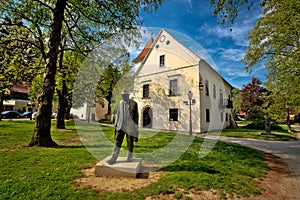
[18, 57]
[228, 10]
[275, 43]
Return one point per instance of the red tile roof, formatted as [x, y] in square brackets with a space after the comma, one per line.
[144, 52]
[20, 88]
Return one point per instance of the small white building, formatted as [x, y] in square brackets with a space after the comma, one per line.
[166, 72]
[92, 112]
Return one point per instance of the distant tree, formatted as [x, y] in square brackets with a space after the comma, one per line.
[69, 64]
[275, 43]
[109, 79]
[237, 100]
[18, 59]
[104, 67]
[253, 98]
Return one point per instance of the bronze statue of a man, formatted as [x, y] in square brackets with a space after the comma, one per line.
[126, 123]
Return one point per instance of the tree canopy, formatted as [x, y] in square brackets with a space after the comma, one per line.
[228, 10]
[84, 23]
[237, 100]
[18, 59]
[274, 41]
[253, 98]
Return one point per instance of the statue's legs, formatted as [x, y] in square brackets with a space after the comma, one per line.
[117, 146]
[129, 139]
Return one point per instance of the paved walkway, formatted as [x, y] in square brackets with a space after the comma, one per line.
[288, 151]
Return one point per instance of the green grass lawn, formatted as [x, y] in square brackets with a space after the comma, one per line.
[49, 173]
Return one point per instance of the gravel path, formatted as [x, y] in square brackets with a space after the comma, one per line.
[288, 151]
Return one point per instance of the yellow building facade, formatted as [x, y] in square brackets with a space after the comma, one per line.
[167, 73]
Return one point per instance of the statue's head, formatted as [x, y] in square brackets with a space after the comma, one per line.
[125, 95]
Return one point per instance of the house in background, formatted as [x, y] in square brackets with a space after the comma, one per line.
[18, 98]
[167, 72]
[94, 112]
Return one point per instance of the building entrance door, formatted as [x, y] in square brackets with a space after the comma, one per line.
[147, 117]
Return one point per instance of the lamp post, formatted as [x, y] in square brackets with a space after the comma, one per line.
[190, 102]
[288, 121]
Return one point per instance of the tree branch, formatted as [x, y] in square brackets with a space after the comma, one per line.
[44, 4]
[73, 40]
[42, 45]
[79, 29]
[88, 17]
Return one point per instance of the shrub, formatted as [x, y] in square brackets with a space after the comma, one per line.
[260, 125]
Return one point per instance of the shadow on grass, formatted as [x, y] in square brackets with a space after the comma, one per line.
[191, 167]
[5, 125]
[70, 147]
[60, 147]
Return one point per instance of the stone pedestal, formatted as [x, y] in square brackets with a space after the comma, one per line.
[121, 168]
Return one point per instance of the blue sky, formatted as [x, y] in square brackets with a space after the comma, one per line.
[194, 19]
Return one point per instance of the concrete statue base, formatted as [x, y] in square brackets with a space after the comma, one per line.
[121, 168]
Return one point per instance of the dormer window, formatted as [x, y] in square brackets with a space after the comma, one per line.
[162, 60]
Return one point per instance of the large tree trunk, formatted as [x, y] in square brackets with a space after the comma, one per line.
[62, 106]
[108, 98]
[42, 129]
[60, 118]
[1, 104]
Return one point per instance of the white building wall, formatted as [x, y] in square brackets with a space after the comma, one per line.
[80, 112]
[183, 65]
[160, 101]
[210, 102]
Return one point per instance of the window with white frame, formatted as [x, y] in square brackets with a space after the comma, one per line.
[221, 98]
[162, 60]
[214, 91]
[221, 95]
[173, 90]
[146, 91]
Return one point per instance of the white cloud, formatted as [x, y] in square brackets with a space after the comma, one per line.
[238, 32]
[232, 54]
[235, 71]
[231, 69]
[238, 35]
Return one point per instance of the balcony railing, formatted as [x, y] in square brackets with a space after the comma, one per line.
[225, 103]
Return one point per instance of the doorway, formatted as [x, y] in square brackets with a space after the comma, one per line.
[147, 117]
[93, 117]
